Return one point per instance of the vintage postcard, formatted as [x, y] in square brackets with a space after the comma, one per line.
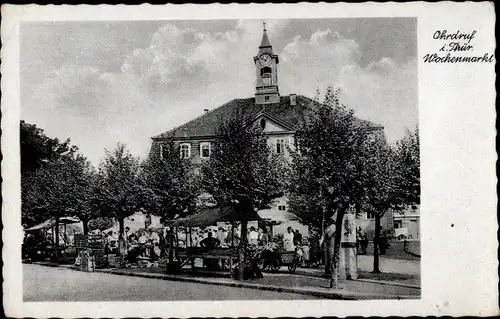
[249, 160]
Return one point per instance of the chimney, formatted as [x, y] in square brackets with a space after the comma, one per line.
[206, 111]
[293, 99]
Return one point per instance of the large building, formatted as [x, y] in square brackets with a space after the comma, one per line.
[279, 117]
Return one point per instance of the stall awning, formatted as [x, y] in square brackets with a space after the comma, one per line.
[49, 223]
[212, 215]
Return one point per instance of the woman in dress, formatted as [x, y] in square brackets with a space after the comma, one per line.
[288, 240]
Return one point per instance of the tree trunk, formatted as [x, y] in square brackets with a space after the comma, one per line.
[122, 247]
[85, 227]
[170, 246]
[326, 262]
[330, 245]
[376, 242]
[171, 268]
[243, 250]
[336, 251]
[56, 248]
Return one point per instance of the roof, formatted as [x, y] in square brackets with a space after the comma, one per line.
[277, 215]
[265, 41]
[291, 115]
[49, 223]
[212, 215]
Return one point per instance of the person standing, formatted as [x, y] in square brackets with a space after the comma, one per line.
[288, 240]
[263, 236]
[253, 237]
[297, 238]
[143, 240]
[222, 235]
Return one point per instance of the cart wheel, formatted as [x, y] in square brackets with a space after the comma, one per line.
[275, 266]
[291, 268]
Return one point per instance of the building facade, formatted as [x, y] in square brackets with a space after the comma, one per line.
[399, 225]
[278, 116]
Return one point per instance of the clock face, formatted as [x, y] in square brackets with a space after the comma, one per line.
[265, 59]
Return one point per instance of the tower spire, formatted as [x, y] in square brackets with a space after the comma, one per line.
[265, 40]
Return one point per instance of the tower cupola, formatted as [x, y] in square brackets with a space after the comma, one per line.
[266, 67]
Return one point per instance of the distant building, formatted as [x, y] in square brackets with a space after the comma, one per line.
[404, 224]
[278, 116]
[138, 221]
[279, 215]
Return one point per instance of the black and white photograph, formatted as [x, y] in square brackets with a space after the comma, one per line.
[232, 159]
[209, 155]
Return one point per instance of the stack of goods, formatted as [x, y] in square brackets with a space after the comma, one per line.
[96, 245]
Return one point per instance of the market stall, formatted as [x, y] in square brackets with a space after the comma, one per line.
[43, 246]
[222, 255]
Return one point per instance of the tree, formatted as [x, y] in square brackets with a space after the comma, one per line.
[242, 172]
[172, 181]
[101, 223]
[83, 186]
[120, 191]
[327, 168]
[174, 185]
[393, 180]
[59, 188]
[43, 161]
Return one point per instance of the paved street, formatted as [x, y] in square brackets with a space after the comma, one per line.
[390, 265]
[42, 283]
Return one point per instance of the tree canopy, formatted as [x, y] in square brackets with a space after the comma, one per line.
[120, 190]
[242, 171]
[327, 168]
[55, 179]
[173, 182]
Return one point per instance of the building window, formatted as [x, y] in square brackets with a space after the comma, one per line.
[370, 215]
[398, 224]
[265, 71]
[266, 98]
[280, 146]
[266, 80]
[205, 150]
[161, 151]
[185, 150]
[281, 207]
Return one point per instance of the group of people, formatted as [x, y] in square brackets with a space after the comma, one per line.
[148, 243]
[256, 237]
[292, 239]
[362, 241]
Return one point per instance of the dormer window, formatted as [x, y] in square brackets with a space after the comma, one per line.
[263, 123]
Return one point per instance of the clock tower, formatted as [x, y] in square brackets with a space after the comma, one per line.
[266, 68]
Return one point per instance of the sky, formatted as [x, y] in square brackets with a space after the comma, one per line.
[100, 83]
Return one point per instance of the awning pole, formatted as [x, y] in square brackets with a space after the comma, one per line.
[190, 237]
[232, 234]
[177, 237]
